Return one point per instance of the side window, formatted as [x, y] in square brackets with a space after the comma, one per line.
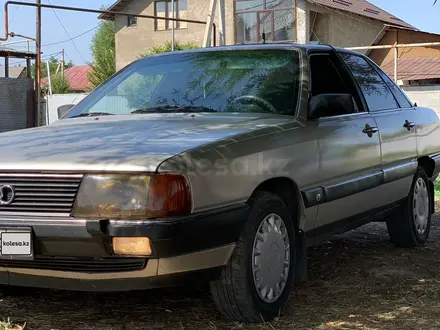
[325, 77]
[376, 92]
[398, 93]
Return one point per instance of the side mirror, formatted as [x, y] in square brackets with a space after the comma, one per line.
[64, 109]
[328, 105]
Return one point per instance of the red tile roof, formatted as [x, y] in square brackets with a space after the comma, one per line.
[77, 76]
[416, 68]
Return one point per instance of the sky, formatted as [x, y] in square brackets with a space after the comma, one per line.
[420, 13]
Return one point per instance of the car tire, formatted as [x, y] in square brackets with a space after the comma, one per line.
[248, 289]
[411, 226]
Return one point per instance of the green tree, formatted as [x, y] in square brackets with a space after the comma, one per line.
[103, 51]
[138, 88]
[54, 65]
[60, 84]
[167, 46]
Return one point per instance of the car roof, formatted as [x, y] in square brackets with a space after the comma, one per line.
[305, 47]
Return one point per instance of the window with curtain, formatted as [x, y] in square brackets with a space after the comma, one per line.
[269, 20]
[164, 8]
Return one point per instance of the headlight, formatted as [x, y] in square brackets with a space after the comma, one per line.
[125, 196]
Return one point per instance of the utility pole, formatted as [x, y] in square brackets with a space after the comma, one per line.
[38, 63]
[62, 62]
[172, 28]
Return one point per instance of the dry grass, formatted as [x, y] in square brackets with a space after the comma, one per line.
[437, 189]
[358, 281]
[7, 325]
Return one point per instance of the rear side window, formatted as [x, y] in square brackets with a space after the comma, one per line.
[375, 90]
[398, 93]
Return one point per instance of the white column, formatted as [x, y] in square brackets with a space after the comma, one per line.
[303, 21]
[221, 27]
[209, 23]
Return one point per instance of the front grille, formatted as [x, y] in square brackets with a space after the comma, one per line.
[82, 265]
[41, 193]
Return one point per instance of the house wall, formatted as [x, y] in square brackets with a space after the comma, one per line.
[342, 29]
[131, 42]
[329, 27]
[16, 104]
[425, 96]
[384, 56]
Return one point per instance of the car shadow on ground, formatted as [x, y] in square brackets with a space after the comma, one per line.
[358, 280]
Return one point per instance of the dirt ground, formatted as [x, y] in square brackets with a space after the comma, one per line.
[357, 281]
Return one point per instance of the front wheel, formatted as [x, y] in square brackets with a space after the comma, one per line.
[411, 226]
[256, 283]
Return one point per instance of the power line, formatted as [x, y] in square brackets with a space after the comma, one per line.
[70, 59]
[67, 40]
[71, 39]
[43, 58]
[68, 34]
[13, 15]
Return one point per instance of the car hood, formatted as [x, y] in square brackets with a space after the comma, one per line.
[120, 143]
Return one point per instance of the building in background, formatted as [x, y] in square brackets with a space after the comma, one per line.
[14, 72]
[418, 68]
[77, 76]
[341, 23]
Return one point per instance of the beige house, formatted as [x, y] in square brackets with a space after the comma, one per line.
[337, 22]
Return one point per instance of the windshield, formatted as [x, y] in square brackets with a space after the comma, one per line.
[220, 81]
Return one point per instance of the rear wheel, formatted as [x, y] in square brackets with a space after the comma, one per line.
[255, 285]
[411, 226]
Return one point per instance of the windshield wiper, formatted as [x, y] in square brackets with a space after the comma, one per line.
[92, 114]
[173, 109]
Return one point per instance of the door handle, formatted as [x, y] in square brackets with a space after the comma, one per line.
[408, 125]
[369, 130]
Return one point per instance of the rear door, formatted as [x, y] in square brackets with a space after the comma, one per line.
[396, 120]
[349, 147]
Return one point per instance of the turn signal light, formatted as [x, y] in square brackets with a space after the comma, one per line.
[132, 246]
[168, 195]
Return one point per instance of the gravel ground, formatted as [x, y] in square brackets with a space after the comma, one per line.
[357, 281]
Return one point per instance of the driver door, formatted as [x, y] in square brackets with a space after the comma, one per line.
[349, 154]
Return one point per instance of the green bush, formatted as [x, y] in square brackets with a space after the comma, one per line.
[138, 88]
[166, 47]
[60, 84]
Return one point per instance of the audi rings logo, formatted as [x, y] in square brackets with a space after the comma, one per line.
[7, 195]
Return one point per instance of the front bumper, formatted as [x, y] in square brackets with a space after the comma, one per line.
[197, 245]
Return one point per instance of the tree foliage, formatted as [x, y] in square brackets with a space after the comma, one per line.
[103, 51]
[60, 84]
[54, 66]
[138, 89]
[167, 46]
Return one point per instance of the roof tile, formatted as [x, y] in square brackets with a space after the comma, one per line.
[77, 76]
[416, 68]
[364, 8]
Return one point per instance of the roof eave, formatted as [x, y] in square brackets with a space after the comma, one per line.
[117, 6]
